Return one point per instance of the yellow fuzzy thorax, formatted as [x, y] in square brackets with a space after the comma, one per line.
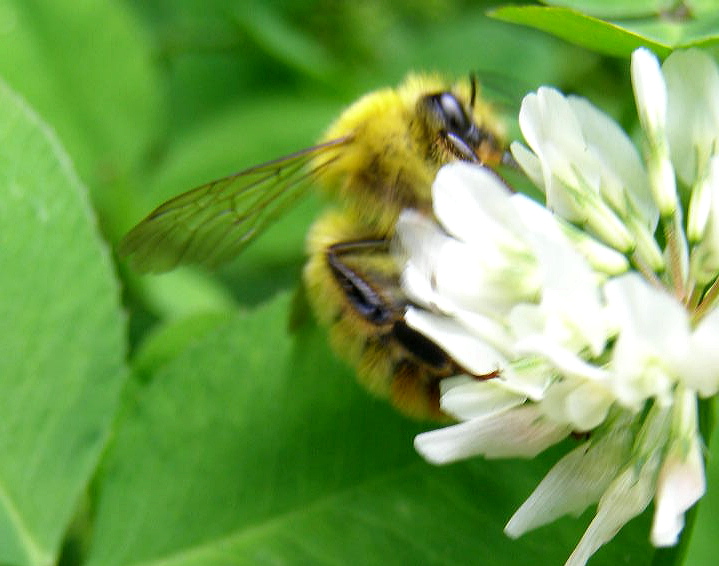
[388, 166]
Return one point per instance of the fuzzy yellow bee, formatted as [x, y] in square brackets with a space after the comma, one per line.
[378, 158]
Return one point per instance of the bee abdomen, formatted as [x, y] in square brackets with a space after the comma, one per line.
[353, 286]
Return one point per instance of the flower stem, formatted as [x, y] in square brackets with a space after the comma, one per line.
[694, 300]
[671, 231]
[707, 302]
[643, 268]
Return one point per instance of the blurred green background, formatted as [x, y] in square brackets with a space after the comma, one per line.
[153, 97]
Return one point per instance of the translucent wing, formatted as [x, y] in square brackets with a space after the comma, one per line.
[214, 222]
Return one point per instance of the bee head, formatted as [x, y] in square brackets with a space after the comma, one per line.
[457, 130]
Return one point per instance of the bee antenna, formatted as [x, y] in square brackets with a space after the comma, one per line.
[473, 89]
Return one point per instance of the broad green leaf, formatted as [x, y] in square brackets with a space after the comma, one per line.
[184, 292]
[698, 7]
[580, 29]
[163, 344]
[617, 38]
[253, 446]
[616, 8]
[61, 338]
[86, 67]
[703, 31]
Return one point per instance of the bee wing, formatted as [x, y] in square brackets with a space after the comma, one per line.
[214, 222]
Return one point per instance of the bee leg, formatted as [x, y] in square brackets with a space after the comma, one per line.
[382, 310]
[394, 360]
[365, 299]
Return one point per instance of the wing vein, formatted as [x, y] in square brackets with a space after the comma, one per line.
[214, 222]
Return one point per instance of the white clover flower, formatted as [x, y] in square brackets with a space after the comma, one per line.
[584, 321]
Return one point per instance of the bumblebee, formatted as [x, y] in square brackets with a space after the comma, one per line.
[379, 158]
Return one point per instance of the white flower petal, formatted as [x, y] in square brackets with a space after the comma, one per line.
[549, 126]
[681, 481]
[583, 405]
[416, 244]
[475, 356]
[701, 366]
[681, 484]
[418, 239]
[650, 92]
[486, 329]
[444, 273]
[570, 303]
[693, 110]
[627, 496]
[471, 202]
[647, 247]
[638, 374]
[519, 432]
[467, 398]
[562, 269]
[567, 361]
[704, 216]
[703, 198]
[564, 199]
[663, 181]
[553, 132]
[535, 218]
[653, 339]
[602, 222]
[529, 163]
[417, 286]
[632, 489]
[575, 482]
[560, 130]
[624, 179]
[472, 282]
[530, 376]
[599, 256]
[644, 310]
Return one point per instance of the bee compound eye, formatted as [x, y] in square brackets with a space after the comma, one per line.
[453, 114]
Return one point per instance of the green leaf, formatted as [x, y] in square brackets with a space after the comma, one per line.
[580, 29]
[271, 33]
[88, 71]
[61, 338]
[702, 31]
[257, 447]
[618, 38]
[616, 8]
[184, 292]
[162, 345]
